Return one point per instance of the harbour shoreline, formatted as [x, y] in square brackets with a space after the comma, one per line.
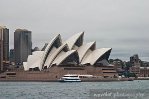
[82, 80]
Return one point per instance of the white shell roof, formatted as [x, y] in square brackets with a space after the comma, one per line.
[54, 54]
[38, 57]
[62, 57]
[49, 47]
[33, 60]
[95, 55]
[72, 40]
[83, 49]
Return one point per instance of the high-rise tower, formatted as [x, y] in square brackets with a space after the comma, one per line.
[22, 45]
[4, 47]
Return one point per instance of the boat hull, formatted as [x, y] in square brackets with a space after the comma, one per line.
[69, 80]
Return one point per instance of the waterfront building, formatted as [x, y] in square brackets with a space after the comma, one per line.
[135, 61]
[22, 45]
[135, 64]
[72, 52]
[59, 58]
[144, 72]
[4, 48]
[144, 69]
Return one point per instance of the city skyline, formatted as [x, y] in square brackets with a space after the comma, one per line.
[121, 25]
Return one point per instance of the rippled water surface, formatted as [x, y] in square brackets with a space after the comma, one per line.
[57, 90]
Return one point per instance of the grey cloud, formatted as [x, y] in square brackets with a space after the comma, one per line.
[120, 24]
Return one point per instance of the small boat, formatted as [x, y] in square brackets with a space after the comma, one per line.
[70, 78]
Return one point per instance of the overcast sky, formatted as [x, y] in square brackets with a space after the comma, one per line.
[120, 24]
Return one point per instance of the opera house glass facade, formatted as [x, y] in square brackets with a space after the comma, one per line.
[72, 52]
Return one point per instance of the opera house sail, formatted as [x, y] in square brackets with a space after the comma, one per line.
[70, 52]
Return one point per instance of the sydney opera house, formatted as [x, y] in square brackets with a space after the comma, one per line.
[72, 52]
[59, 57]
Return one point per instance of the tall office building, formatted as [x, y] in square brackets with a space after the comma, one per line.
[22, 45]
[11, 56]
[4, 48]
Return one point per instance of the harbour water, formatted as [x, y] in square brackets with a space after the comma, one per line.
[57, 90]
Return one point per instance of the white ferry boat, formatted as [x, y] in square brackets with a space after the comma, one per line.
[70, 78]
